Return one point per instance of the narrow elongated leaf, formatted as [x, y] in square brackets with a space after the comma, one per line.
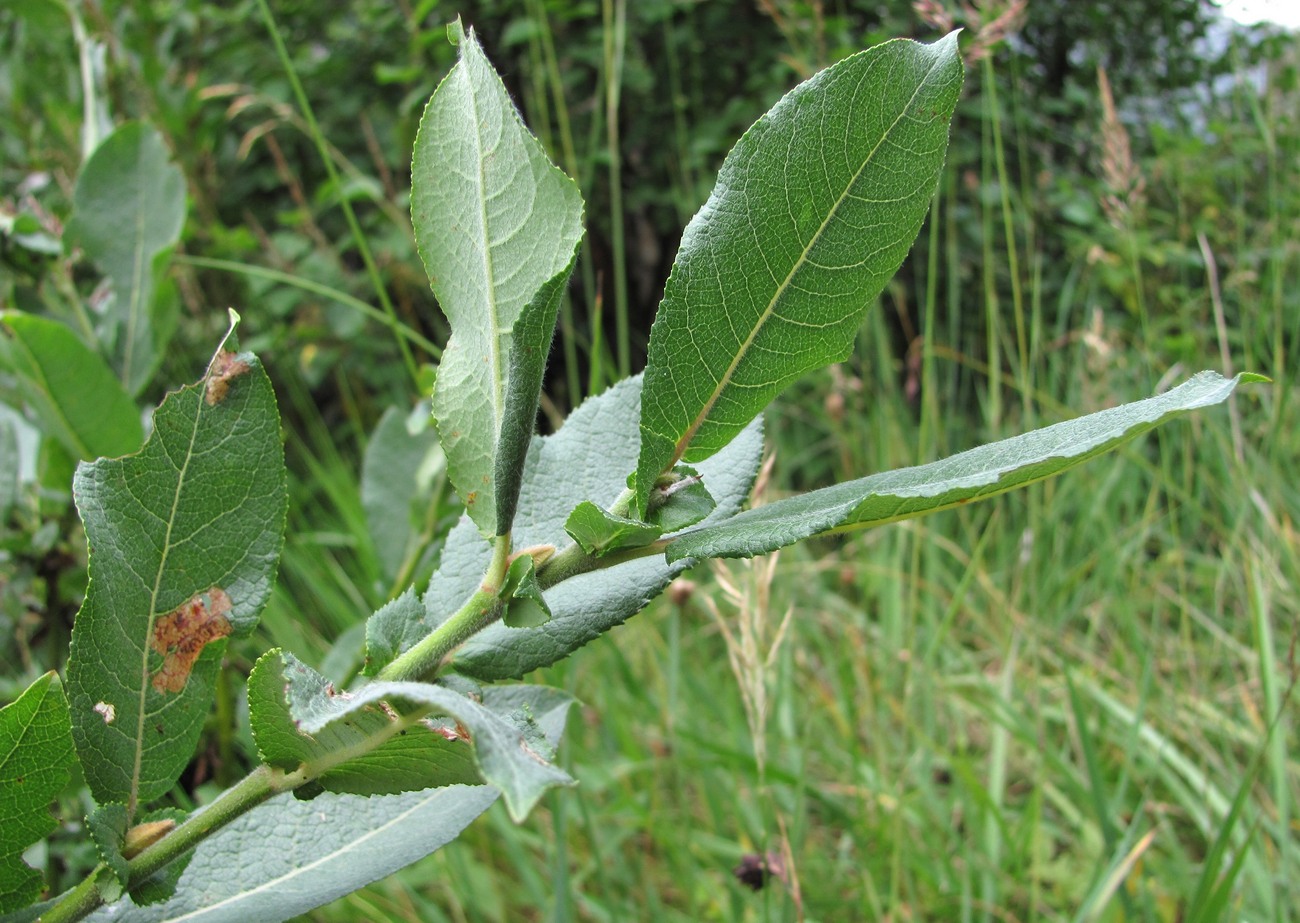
[495, 222]
[128, 210]
[10, 465]
[281, 859]
[412, 757]
[974, 475]
[813, 211]
[184, 540]
[35, 762]
[70, 388]
[531, 343]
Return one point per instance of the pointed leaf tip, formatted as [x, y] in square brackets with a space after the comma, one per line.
[813, 212]
[497, 226]
[977, 474]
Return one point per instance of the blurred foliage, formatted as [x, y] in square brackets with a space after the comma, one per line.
[690, 77]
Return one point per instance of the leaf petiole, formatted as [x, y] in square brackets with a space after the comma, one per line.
[258, 786]
[425, 659]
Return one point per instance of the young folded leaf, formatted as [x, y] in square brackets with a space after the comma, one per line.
[814, 210]
[526, 607]
[974, 475]
[600, 532]
[184, 541]
[497, 226]
[299, 718]
[396, 755]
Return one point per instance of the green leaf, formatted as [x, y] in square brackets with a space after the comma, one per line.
[528, 352]
[681, 500]
[298, 718]
[184, 540]
[599, 531]
[974, 475]
[813, 211]
[281, 689]
[107, 825]
[279, 860]
[72, 391]
[35, 762]
[496, 223]
[128, 210]
[525, 605]
[10, 465]
[584, 460]
[397, 626]
[397, 477]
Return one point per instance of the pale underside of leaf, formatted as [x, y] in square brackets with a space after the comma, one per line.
[495, 220]
[585, 460]
[287, 856]
[974, 475]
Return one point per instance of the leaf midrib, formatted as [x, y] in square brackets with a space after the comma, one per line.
[153, 614]
[689, 435]
[489, 268]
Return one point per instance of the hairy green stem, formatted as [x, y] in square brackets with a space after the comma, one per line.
[420, 662]
[571, 561]
[259, 785]
[425, 659]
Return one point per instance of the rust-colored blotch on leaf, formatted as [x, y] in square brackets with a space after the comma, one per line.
[181, 635]
[225, 366]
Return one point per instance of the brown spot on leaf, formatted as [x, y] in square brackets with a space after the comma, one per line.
[225, 366]
[181, 635]
[447, 730]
